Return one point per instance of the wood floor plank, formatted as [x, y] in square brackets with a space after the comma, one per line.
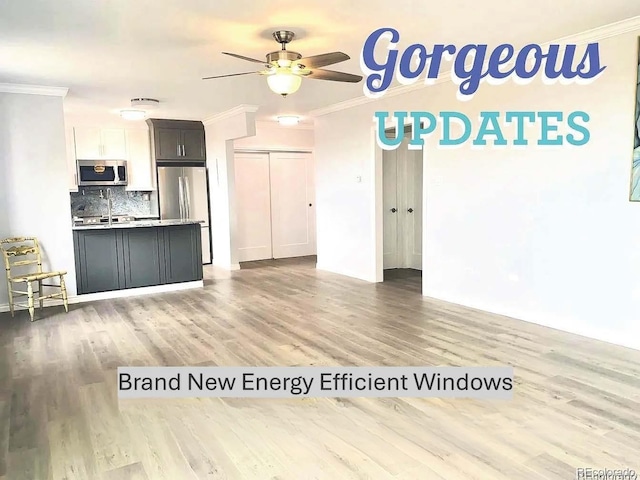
[5, 419]
[30, 464]
[72, 456]
[111, 445]
[27, 423]
[576, 401]
[135, 471]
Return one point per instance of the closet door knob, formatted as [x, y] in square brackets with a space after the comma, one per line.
[393, 210]
[410, 210]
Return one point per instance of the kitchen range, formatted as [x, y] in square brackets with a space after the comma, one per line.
[126, 239]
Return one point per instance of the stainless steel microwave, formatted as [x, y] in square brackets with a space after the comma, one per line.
[102, 172]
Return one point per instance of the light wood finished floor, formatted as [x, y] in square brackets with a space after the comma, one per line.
[576, 403]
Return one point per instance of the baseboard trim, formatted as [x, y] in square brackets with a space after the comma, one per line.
[131, 292]
[339, 271]
[231, 267]
[627, 339]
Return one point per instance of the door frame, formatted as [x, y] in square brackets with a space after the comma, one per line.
[268, 152]
[378, 207]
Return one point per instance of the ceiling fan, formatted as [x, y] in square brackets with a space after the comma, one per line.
[285, 69]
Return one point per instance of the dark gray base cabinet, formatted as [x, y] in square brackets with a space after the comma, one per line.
[117, 259]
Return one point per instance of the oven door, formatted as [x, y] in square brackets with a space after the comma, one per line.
[107, 173]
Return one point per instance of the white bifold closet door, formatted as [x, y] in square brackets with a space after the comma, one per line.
[253, 206]
[402, 203]
[275, 205]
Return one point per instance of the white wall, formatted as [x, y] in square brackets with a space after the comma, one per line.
[220, 134]
[273, 136]
[547, 236]
[34, 197]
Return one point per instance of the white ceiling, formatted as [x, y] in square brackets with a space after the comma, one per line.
[109, 51]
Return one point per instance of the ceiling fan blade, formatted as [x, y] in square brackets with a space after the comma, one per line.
[248, 59]
[229, 75]
[320, 74]
[324, 59]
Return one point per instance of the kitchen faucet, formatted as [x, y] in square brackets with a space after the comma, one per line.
[109, 206]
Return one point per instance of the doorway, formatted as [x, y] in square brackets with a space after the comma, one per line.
[275, 205]
[402, 171]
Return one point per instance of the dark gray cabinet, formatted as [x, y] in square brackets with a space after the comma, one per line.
[97, 266]
[121, 258]
[182, 254]
[193, 146]
[141, 257]
[177, 140]
[168, 144]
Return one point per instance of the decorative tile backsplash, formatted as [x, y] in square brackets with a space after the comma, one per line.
[92, 201]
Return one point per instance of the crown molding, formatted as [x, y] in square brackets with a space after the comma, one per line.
[230, 113]
[273, 124]
[33, 89]
[593, 35]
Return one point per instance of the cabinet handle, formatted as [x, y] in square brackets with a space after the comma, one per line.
[178, 148]
[183, 154]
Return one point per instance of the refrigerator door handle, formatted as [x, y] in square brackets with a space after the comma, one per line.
[181, 195]
[187, 197]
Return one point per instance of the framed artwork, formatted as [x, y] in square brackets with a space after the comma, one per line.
[635, 170]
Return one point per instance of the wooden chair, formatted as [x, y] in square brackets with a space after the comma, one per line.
[24, 252]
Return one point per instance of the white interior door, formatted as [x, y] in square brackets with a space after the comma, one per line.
[253, 206]
[413, 209]
[391, 257]
[402, 203]
[293, 220]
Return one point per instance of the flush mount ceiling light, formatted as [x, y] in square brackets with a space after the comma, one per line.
[131, 114]
[288, 120]
[139, 107]
[145, 103]
[285, 69]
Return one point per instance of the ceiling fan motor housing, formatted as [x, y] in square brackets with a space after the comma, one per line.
[273, 57]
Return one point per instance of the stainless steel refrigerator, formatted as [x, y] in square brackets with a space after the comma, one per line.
[183, 194]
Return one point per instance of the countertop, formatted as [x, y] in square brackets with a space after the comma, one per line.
[136, 224]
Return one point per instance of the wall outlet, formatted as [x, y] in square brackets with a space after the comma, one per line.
[358, 179]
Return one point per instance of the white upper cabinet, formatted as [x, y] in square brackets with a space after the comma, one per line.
[100, 143]
[130, 144]
[140, 165]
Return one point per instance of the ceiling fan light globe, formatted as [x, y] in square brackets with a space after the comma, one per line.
[284, 83]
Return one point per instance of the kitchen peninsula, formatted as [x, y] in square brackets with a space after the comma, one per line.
[137, 254]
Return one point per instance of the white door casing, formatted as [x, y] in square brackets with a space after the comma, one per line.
[390, 204]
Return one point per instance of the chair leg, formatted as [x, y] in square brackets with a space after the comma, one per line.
[10, 291]
[63, 287]
[40, 294]
[32, 310]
